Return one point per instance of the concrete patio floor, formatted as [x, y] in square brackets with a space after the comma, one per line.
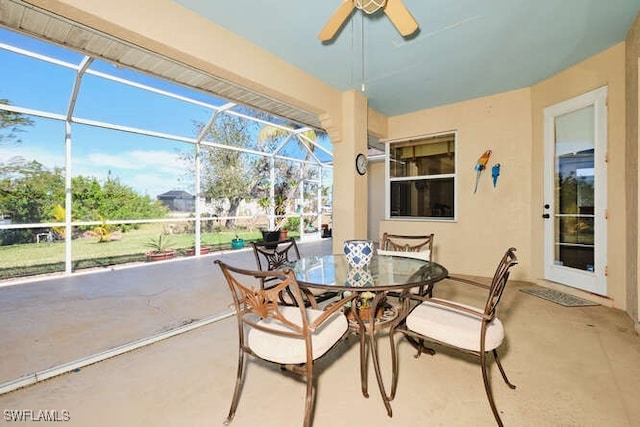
[573, 366]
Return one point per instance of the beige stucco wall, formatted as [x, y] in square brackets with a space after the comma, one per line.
[632, 44]
[604, 69]
[511, 124]
[376, 198]
[493, 219]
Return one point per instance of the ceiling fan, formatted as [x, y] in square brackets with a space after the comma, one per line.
[395, 10]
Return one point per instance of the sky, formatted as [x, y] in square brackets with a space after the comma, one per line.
[150, 165]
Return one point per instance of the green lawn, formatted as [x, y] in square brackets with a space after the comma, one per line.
[37, 258]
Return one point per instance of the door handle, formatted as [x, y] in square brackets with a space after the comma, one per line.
[546, 216]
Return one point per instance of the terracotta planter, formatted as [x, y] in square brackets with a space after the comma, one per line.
[203, 250]
[283, 234]
[160, 256]
[364, 313]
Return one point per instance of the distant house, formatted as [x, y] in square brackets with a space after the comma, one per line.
[178, 200]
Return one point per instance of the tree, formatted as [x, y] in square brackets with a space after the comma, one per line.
[230, 174]
[28, 193]
[234, 175]
[287, 175]
[12, 123]
[93, 201]
[31, 193]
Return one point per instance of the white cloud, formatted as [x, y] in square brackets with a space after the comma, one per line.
[148, 172]
[136, 160]
[110, 161]
[153, 185]
[48, 158]
[166, 161]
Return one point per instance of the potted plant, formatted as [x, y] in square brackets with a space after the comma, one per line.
[270, 237]
[363, 306]
[237, 243]
[160, 248]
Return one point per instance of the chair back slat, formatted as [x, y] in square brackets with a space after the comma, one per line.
[254, 300]
[499, 281]
[275, 255]
[407, 243]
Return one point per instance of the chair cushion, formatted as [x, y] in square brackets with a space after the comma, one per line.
[454, 327]
[286, 350]
[424, 255]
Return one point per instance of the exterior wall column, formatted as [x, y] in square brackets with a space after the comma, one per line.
[350, 198]
[632, 178]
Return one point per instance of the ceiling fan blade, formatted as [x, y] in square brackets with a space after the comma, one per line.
[336, 21]
[400, 16]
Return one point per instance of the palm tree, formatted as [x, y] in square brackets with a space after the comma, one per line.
[286, 188]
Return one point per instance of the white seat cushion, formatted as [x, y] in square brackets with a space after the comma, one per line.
[285, 350]
[424, 255]
[455, 327]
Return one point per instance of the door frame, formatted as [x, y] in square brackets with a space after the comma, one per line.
[596, 281]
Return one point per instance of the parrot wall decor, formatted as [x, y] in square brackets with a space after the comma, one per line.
[495, 173]
[481, 165]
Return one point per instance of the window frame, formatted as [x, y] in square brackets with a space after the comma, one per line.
[389, 179]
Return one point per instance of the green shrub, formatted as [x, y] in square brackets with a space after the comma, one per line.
[293, 223]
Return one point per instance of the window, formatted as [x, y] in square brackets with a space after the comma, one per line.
[422, 177]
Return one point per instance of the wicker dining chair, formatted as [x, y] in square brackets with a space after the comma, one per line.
[290, 336]
[411, 246]
[459, 326]
[273, 256]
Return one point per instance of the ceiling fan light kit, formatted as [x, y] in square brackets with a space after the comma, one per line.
[395, 10]
[369, 6]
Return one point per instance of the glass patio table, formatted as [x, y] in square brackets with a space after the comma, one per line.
[384, 275]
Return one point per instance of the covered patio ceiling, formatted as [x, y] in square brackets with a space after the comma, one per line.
[463, 49]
